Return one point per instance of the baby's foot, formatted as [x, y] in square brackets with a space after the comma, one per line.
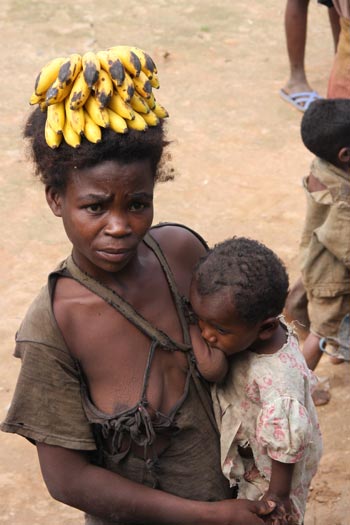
[251, 474]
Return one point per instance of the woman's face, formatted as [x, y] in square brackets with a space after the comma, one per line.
[106, 211]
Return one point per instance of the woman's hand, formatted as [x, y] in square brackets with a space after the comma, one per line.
[242, 512]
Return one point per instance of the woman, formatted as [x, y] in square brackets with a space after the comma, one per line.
[108, 390]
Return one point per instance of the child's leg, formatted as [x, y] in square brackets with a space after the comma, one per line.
[313, 354]
[312, 351]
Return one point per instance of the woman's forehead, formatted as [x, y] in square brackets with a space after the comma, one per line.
[113, 173]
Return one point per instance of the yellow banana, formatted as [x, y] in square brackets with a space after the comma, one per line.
[127, 89]
[113, 66]
[47, 75]
[98, 115]
[75, 117]
[92, 131]
[151, 118]
[137, 123]
[128, 58]
[143, 85]
[70, 136]
[116, 122]
[102, 57]
[155, 81]
[36, 99]
[79, 93]
[62, 86]
[56, 116]
[139, 103]
[69, 69]
[147, 64]
[56, 93]
[103, 88]
[151, 101]
[160, 111]
[52, 138]
[121, 107]
[91, 68]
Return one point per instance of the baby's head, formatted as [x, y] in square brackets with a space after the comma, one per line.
[325, 130]
[238, 290]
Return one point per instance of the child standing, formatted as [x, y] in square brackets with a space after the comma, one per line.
[325, 241]
[270, 437]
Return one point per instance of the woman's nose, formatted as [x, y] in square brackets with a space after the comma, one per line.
[117, 225]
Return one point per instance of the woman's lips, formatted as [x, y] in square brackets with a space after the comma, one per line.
[114, 255]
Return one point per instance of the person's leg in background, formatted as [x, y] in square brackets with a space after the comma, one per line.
[295, 23]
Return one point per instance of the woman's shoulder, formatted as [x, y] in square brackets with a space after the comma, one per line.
[175, 238]
[39, 328]
[182, 248]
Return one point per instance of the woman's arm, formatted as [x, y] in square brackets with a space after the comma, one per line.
[211, 362]
[73, 480]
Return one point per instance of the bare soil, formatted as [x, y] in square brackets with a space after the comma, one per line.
[239, 162]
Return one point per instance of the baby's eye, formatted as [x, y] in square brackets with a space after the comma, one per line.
[221, 331]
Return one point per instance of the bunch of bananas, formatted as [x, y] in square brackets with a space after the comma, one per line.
[111, 88]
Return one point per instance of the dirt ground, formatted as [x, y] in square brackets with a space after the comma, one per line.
[239, 161]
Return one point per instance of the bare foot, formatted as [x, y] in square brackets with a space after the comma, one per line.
[299, 87]
[320, 397]
[251, 474]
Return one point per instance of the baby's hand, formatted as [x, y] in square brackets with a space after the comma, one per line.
[211, 362]
[282, 514]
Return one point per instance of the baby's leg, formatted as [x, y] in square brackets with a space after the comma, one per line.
[253, 486]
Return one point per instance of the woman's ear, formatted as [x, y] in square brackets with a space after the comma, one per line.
[54, 200]
[268, 327]
[344, 155]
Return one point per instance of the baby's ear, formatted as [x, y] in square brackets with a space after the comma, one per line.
[344, 155]
[268, 328]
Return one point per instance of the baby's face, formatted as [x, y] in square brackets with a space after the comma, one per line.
[219, 323]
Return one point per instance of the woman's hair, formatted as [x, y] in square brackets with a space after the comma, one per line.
[54, 165]
[256, 277]
[325, 128]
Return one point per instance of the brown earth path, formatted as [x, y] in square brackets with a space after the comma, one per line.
[239, 160]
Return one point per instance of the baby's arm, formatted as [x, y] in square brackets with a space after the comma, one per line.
[279, 491]
[211, 362]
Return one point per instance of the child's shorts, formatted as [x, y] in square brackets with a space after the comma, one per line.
[326, 313]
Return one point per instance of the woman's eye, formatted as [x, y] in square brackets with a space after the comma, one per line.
[94, 208]
[137, 206]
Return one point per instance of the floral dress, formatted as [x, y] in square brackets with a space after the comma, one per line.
[265, 403]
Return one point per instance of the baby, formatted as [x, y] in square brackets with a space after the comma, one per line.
[270, 437]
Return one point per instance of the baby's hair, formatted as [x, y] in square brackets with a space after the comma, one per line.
[54, 165]
[325, 128]
[255, 275]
